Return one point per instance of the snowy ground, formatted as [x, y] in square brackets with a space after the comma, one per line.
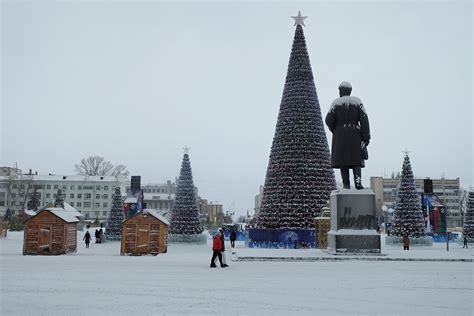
[97, 281]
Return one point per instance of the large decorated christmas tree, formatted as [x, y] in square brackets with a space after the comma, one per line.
[299, 177]
[114, 222]
[185, 212]
[468, 227]
[408, 217]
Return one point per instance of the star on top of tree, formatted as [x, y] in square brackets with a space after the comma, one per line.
[186, 149]
[299, 19]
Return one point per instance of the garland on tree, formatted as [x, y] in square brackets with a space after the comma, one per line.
[114, 222]
[185, 212]
[299, 177]
[468, 227]
[408, 217]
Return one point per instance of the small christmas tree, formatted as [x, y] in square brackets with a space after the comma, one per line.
[299, 177]
[34, 201]
[468, 227]
[408, 216]
[59, 200]
[114, 222]
[185, 212]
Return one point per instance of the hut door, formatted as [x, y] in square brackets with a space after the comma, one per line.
[142, 238]
[44, 238]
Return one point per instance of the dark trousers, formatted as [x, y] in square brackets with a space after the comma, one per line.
[465, 246]
[357, 171]
[406, 247]
[87, 245]
[232, 243]
[217, 254]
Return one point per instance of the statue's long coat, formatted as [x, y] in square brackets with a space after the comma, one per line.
[349, 124]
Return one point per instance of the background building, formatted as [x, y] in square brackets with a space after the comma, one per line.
[258, 200]
[447, 190]
[90, 195]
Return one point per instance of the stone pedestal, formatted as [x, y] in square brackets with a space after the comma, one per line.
[353, 226]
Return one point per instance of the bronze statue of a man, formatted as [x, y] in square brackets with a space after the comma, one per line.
[349, 125]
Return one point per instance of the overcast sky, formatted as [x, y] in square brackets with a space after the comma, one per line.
[137, 82]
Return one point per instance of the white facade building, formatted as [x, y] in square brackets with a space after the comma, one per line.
[90, 195]
[448, 190]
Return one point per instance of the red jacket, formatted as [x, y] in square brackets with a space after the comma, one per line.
[216, 243]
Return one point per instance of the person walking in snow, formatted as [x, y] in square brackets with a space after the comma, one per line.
[224, 259]
[97, 236]
[87, 238]
[465, 242]
[101, 235]
[406, 242]
[232, 237]
[216, 250]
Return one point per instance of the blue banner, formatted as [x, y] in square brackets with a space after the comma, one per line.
[280, 238]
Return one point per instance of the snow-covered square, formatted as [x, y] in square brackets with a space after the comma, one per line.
[98, 281]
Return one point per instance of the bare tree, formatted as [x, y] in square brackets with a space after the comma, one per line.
[19, 188]
[97, 166]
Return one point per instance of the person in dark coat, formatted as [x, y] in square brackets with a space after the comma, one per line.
[406, 242]
[465, 242]
[216, 250]
[232, 237]
[87, 238]
[97, 236]
[349, 124]
[101, 235]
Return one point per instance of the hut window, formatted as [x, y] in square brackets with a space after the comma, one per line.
[105, 204]
[56, 187]
[2, 203]
[71, 195]
[48, 195]
[97, 213]
[79, 187]
[106, 187]
[97, 204]
[87, 204]
[79, 204]
[88, 196]
[71, 187]
[104, 213]
[97, 187]
[71, 203]
[79, 195]
[97, 196]
[105, 196]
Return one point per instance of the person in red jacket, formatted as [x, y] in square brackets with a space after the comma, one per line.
[216, 250]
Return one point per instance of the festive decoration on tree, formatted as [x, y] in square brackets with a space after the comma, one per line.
[468, 227]
[59, 200]
[185, 212]
[408, 217]
[114, 222]
[299, 177]
[34, 201]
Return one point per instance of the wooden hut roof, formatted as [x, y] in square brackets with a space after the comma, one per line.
[68, 217]
[154, 214]
[67, 208]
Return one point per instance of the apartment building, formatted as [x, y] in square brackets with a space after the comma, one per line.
[90, 195]
[448, 190]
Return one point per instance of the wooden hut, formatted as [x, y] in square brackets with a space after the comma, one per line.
[50, 232]
[146, 232]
